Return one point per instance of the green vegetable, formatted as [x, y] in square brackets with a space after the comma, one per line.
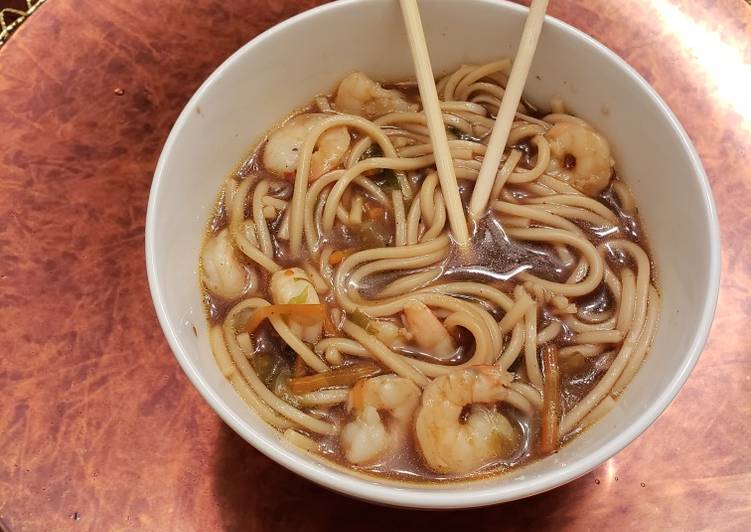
[458, 133]
[359, 318]
[370, 237]
[300, 298]
[373, 151]
[387, 179]
[281, 388]
[268, 366]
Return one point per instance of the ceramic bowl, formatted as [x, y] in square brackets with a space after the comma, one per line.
[283, 69]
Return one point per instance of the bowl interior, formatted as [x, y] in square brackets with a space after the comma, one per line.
[287, 66]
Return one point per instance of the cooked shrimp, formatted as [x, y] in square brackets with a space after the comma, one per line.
[359, 95]
[387, 332]
[222, 273]
[428, 331]
[293, 286]
[580, 156]
[282, 151]
[329, 152]
[367, 436]
[451, 445]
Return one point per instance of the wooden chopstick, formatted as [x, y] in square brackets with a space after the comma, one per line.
[434, 116]
[507, 111]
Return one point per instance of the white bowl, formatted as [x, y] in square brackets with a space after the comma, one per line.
[286, 66]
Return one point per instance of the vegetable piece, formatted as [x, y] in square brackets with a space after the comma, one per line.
[551, 395]
[268, 366]
[373, 234]
[343, 376]
[362, 320]
[386, 331]
[281, 389]
[328, 326]
[387, 179]
[311, 311]
[339, 255]
[300, 298]
[374, 150]
[299, 368]
[459, 134]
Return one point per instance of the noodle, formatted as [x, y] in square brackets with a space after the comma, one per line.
[324, 397]
[258, 389]
[300, 440]
[596, 267]
[513, 347]
[606, 383]
[384, 354]
[250, 249]
[400, 238]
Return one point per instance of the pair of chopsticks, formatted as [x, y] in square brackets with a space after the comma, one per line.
[501, 127]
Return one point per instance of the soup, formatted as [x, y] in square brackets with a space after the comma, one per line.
[345, 315]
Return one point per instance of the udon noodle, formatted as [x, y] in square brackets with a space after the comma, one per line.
[344, 314]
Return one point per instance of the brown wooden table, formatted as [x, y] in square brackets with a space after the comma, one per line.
[100, 429]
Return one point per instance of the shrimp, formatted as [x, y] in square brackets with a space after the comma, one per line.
[222, 273]
[428, 331]
[387, 332]
[450, 445]
[581, 156]
[359, 95]
[293, 286]
[367, 437]
[282, 151]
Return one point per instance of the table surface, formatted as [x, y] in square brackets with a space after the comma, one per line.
[100, 429]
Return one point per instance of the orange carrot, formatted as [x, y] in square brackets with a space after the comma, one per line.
[551, 395]
[311, 312]
[328, 326]
[299, 368]
[357, 396]
[339, 255]
[343, 376]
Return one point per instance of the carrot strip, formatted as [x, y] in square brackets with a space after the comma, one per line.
[343, 376]
[339, 255]
[299, 368]
[328, 326]
[551, 395]
[310, 311]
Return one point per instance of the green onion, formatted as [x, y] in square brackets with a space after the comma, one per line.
[458, 133]
[300, 298]
[388, 180]
[373, 151]
[362, 320]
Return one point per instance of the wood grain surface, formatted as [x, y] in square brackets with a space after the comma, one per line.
[100, 429]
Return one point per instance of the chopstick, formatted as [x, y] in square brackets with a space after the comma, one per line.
[429, 96]
[507, 111]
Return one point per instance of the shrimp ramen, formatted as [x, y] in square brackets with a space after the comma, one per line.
[344, 314]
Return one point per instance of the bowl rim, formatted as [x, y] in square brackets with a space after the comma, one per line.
[481, 493]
